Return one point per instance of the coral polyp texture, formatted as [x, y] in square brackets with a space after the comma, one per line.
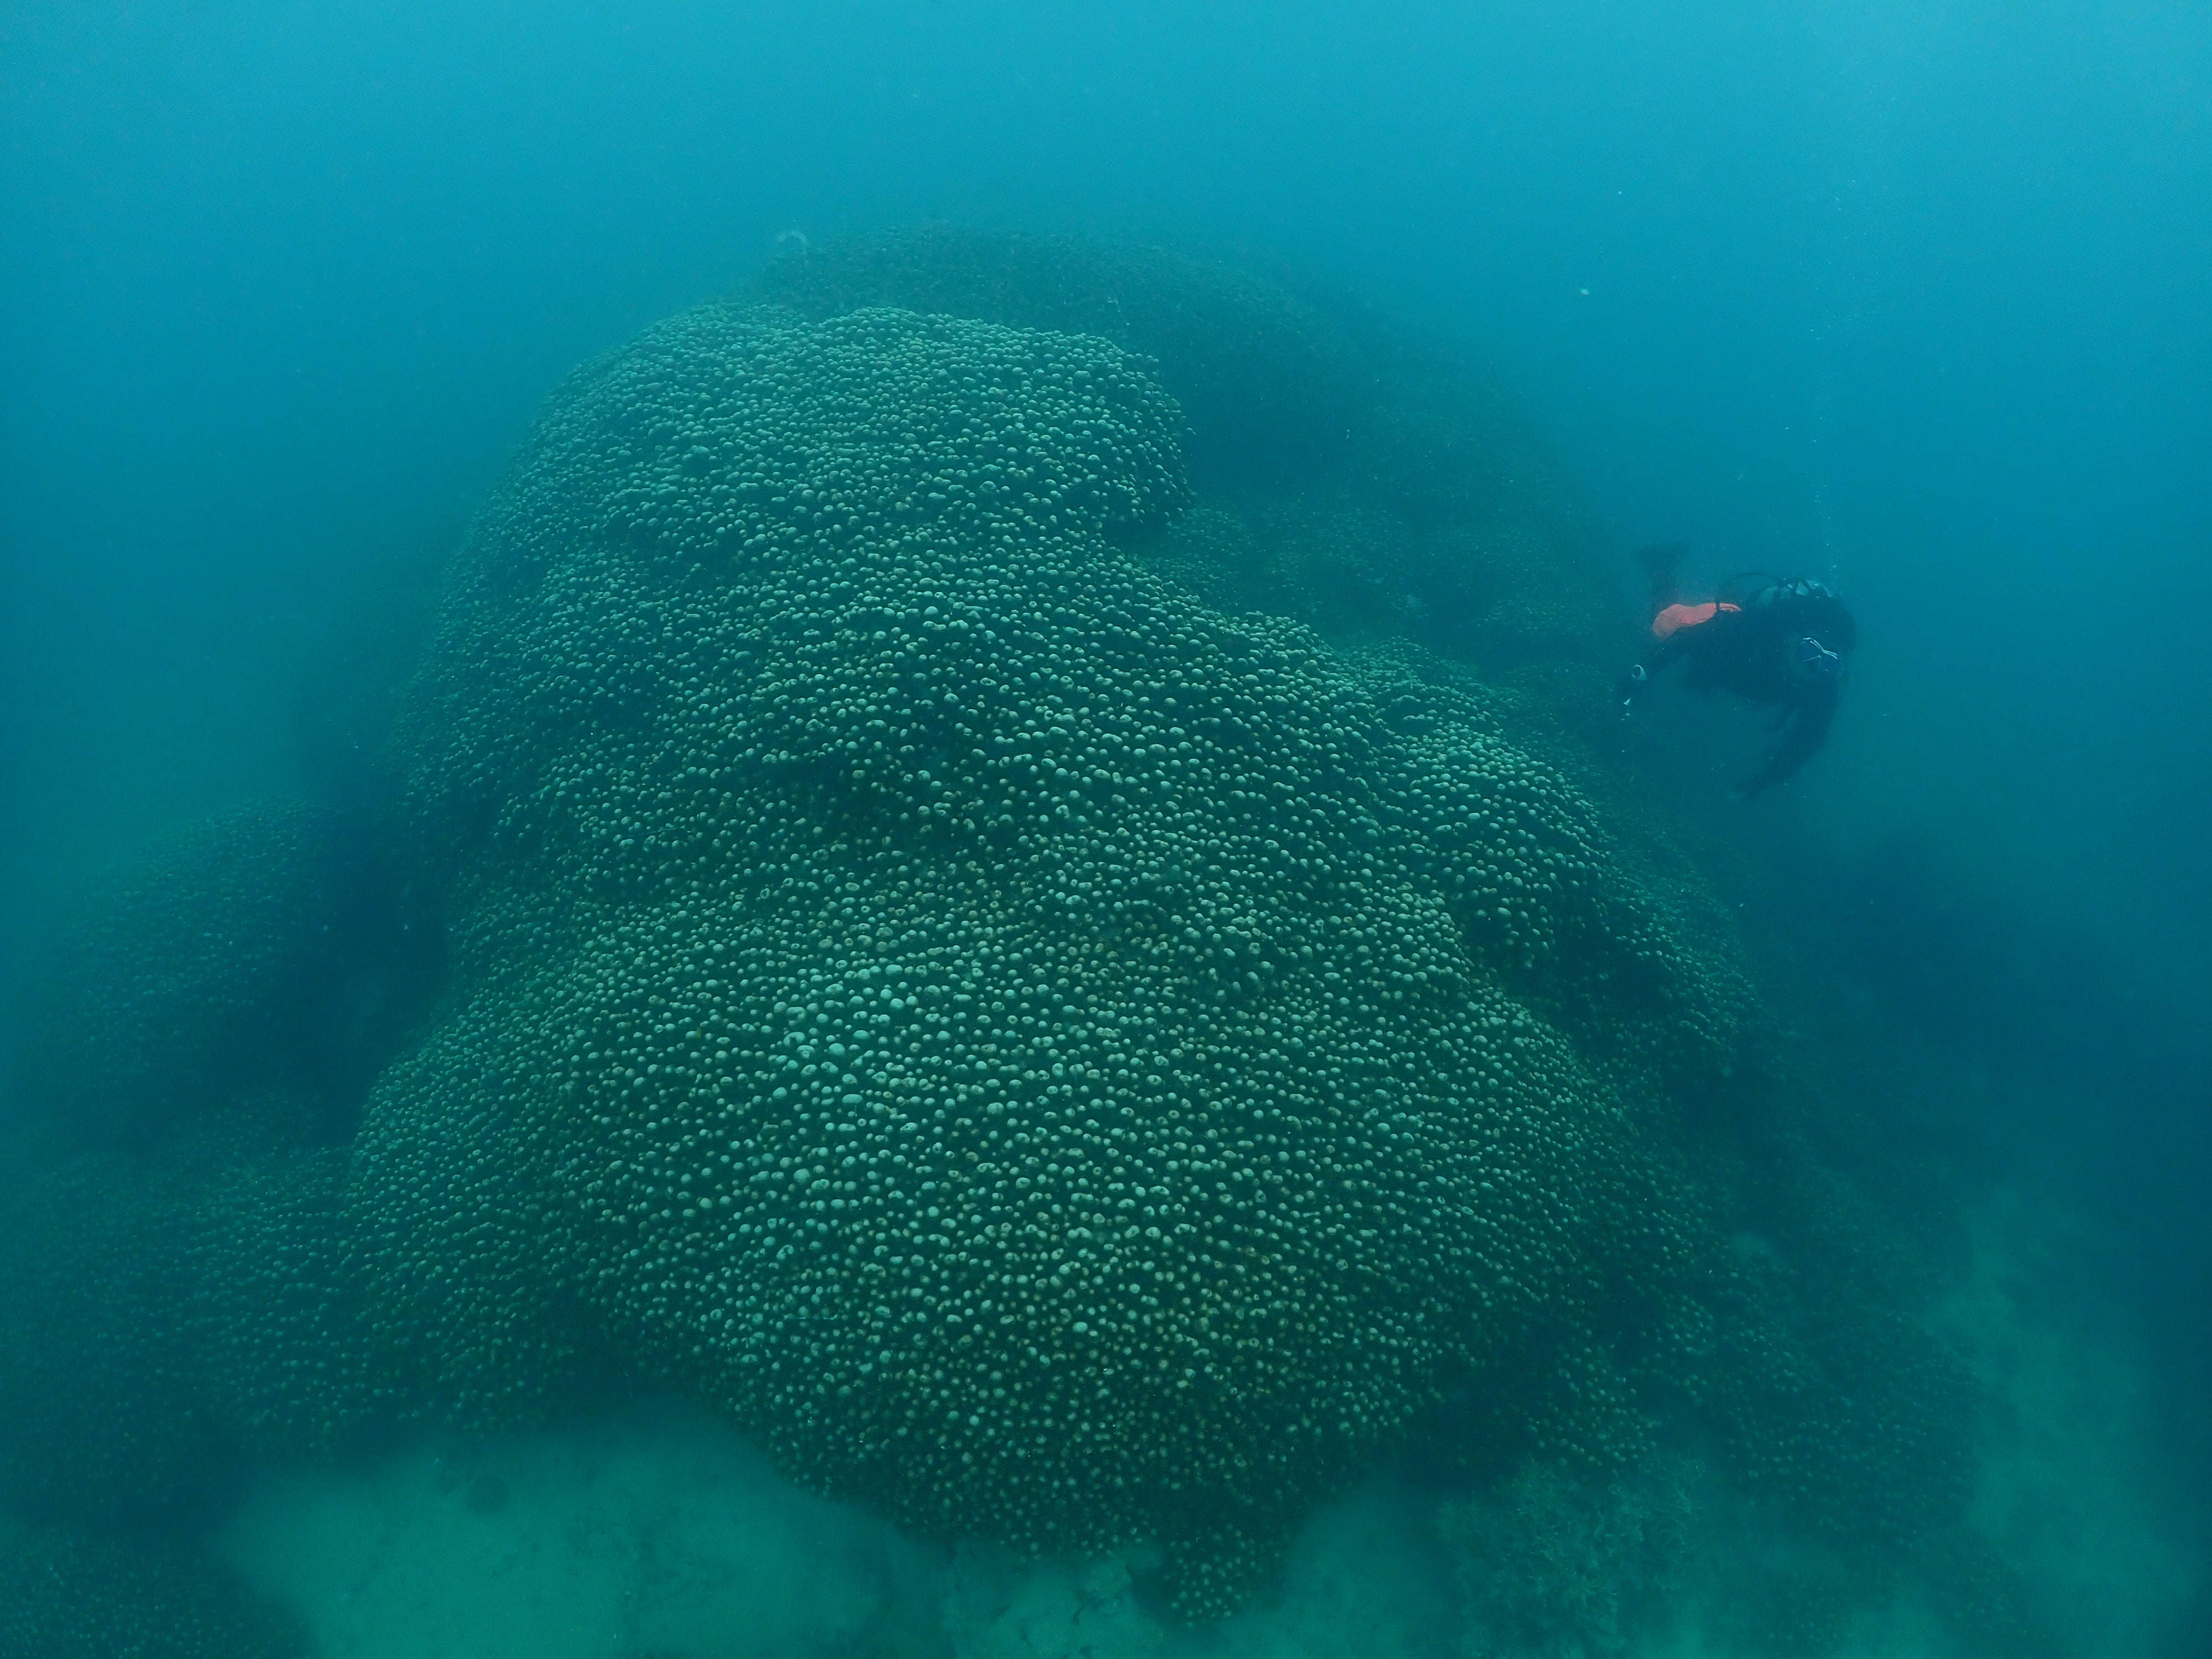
[70, 1596]
[1053, 1059]
[1367, 482]
[178, 988]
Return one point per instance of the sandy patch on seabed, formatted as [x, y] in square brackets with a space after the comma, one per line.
[663, 1535]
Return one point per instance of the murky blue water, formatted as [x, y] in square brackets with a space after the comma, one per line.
[1331, 1128]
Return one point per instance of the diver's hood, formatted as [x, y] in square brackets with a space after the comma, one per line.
[1798, 587]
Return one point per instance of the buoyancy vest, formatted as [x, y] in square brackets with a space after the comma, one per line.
[1676, 617]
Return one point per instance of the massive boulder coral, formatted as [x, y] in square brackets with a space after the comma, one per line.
[268, 951]
[1054, 1059]
[1370, 482]
[1065, 997]
[66, 1595]
[183, 983]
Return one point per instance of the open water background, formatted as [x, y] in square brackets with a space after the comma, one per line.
[1912, 298]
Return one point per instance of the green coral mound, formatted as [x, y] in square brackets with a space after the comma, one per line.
[180, 1281]
[175, 988]
[267, 953]
[165, 1315]
[1056, 1060]
[1368, 483]
[64, 1594]
[1069, 992]
[98, 1415]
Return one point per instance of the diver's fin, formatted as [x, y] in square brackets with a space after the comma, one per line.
[1660, 562]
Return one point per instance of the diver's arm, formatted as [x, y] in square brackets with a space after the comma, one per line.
[1806, 729]
[1656, 660]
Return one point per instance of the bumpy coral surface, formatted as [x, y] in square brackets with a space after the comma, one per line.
[174, 990]
[1363, 481]
[1054, 1059]
[67, 1595]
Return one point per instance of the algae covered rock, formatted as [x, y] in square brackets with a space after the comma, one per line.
[1054, 1059]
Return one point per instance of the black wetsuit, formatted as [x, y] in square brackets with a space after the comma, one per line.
[1786, 648]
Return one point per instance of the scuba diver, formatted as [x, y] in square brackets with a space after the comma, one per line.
[1779, 643]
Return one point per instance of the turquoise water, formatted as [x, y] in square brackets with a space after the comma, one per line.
[818, 840]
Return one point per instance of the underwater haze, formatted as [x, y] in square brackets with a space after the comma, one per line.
[819, 837]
